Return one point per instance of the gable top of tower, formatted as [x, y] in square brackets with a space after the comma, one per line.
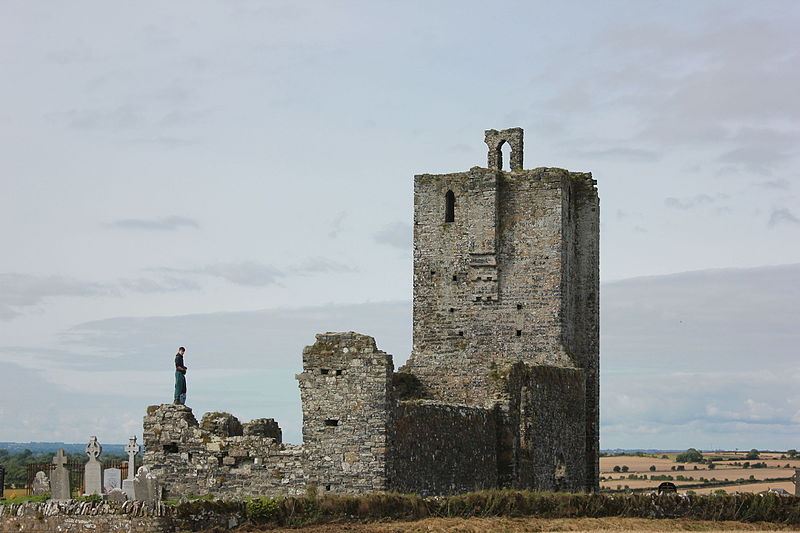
[496, 139]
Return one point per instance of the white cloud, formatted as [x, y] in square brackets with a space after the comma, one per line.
[397, 235]
[782, 216]
[170, 223]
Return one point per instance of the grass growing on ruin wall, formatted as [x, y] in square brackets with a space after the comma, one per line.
[743, 507]
[296, 511]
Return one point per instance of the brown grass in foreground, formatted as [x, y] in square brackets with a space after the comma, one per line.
[519, 525]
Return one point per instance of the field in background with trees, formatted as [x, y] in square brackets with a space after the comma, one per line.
[693, 471]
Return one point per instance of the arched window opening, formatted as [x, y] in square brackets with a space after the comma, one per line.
[505, 155]
[449, 207]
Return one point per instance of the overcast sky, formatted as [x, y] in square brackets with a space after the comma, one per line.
[237, 176]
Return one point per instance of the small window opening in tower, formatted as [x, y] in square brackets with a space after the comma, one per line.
[455, 278]
[324, 371]
[519, 307]
[331, 422]
[460, 333]
[478, 298]
[519, 333]
[339, 372]
[327, 487]
[488, 278]
[449, 207]
[452, 309]
[505, 155]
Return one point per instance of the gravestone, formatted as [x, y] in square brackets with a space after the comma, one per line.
[116, 495]
[128, 485]
[153, 487]
[59, 481]
[41, 485]
[140, 484]
[112, 479]
[93, 471]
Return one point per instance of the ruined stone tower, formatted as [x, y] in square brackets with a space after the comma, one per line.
[506, 270]
[501, 389]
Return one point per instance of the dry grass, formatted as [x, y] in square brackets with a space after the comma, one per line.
[788, 486]
[519, 525]
[724, 470]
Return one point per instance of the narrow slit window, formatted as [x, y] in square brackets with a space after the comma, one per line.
[519, 333]
[324, 371]
[339, 372]
[449, 207]
[519, 307]
[331, 422]
[452, 309]
[460, 333]
[455, 278]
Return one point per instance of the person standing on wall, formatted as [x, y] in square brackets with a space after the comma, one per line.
[180, 377]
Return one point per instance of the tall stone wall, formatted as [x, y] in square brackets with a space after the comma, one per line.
[217, 457]
[547, 410]
[346, 393]
[581, 317]
[443, 449]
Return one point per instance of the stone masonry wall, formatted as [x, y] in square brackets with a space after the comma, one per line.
[105, 517]
[548, 407]
[443, 449]
[216, 456]
[490, 287]
[346, 393]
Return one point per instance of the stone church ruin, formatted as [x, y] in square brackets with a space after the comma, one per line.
[501, 389]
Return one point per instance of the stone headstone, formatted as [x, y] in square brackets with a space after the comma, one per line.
[153, 487]
[93, 471]
[41, 485]
[140, 486]
[116, 495]
[112, 479]
[59, 480]
[132, 448]
[128, 485]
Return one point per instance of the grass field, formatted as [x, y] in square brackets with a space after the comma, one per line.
[730, 468]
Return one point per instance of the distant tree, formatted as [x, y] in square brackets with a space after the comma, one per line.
[746, 464]
[711, 466]
[616, 468]
[624, 468]
[690, 456]
[652, 468]
[791, 453]
[752, 454]
[680, 467]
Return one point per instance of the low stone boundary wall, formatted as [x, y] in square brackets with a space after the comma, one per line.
[127, 517]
